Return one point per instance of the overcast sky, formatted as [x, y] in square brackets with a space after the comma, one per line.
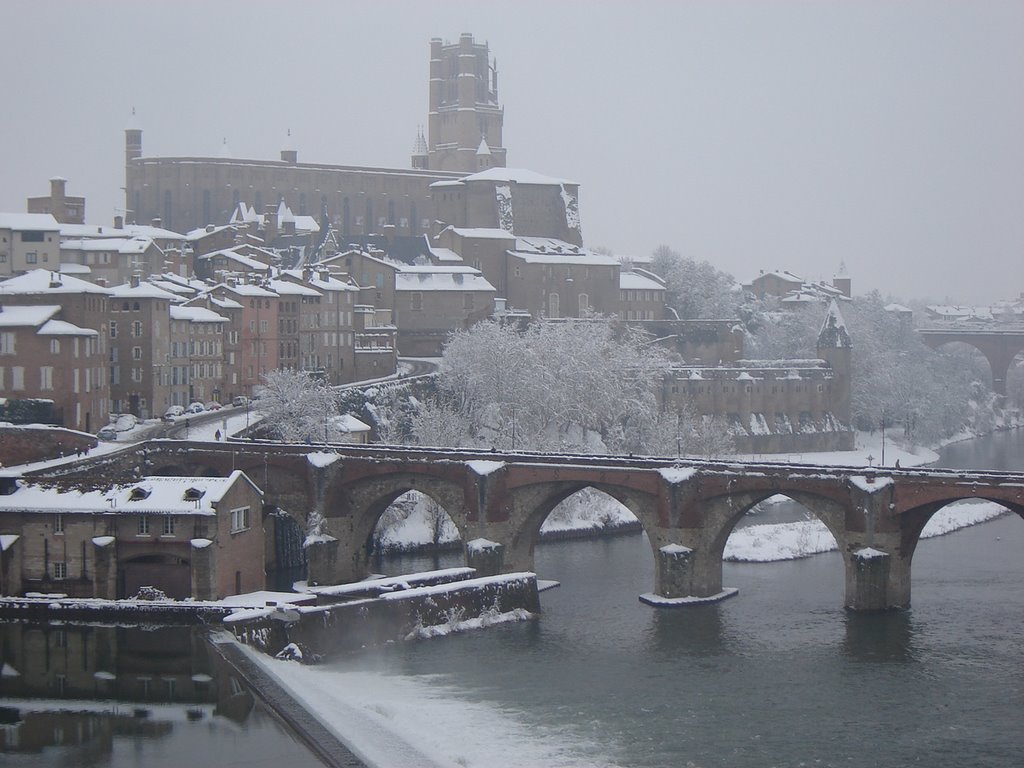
[755, 135]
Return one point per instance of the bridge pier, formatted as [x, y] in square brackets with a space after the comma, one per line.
[876, 579]
[686, 571]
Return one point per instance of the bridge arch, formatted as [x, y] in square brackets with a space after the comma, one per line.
[998, 347]
[531, 505]
[351, 511]
[723, 513]
[914, 520]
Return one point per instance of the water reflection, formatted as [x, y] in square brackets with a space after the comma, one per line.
[698, 629]
[880, 637]
[64, 685]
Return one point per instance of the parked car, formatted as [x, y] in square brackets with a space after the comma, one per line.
[107, 433]
[125, 421]
[195, 408]
[239, 400]
[213, 405]
[173, 412]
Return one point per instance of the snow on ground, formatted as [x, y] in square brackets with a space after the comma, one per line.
[868, 451]
[391, 721]
[788, 541]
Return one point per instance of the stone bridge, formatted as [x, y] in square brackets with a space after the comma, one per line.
[999, 346]
[499, 501]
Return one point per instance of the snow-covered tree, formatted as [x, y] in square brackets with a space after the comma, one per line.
[695, 289]
[296, 407]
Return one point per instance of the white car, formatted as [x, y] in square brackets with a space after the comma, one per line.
[195, 408]
[173, 412]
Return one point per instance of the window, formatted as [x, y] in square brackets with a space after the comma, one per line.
[31, 237]
[136, 353]
[7, 343]
[60, 571]
[416, 301]
[137, 328]
[239, 519]
[46, 377]
[31, 258]
[113, 329]
[168, 529]
[58, 523]
[18, 377]
[584, 304]
[143, 526]
[54, 346]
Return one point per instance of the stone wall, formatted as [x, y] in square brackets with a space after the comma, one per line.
[24, 444]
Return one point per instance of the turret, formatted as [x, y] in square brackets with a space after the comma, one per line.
[835, 348]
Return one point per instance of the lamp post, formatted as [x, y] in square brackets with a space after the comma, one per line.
[881, 462]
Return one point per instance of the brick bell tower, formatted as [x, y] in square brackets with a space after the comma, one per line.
[464, 113]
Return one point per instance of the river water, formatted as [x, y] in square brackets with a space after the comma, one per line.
[781, 675]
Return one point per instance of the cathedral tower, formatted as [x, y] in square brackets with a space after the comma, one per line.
[464, 111]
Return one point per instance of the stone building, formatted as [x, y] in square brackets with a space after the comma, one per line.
[433, 301]
[45, 358]
[140, 349]
[28, 241]
[198, 537]
[82, 305]
[775, 406]
[63, 207]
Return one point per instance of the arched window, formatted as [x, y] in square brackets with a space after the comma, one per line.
[413, 224]
[584, 304]
[553, 305]
[369, 217]
[391, 212]
[167, 209]
[346, 217]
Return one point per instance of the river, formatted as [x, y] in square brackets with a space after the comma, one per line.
[781, 675]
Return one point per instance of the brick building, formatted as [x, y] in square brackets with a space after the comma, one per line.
[63, 207]
[198, 537]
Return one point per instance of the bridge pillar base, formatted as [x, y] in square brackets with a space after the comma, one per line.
[487, 557]
[322, 560]
[870, 578]
[682, 579]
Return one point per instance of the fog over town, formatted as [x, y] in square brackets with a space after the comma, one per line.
[781, 135]
[495, 385]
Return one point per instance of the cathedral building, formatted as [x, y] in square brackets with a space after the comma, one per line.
[464, 136]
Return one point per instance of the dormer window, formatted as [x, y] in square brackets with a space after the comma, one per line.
[194, 494]
[139, 493]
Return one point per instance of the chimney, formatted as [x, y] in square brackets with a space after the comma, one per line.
[136, 280]
[210, 227]
[158, 222]
[119, 222]
[57, 187]
[289, 156]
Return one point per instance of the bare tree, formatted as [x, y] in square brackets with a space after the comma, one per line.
[297, 407]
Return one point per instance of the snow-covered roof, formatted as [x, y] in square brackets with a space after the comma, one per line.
[63, 328]
[172, 287]
[441, 278]
[638, 281]
[232, 255]
[70, 268]
[833, 330]
[897, 308]
[548, 250]
[349, 423]
[247, 289]
[332, 283]
[45, 281]
[196, 315]
[782, 274]
[483, 233]
[21, 317]
[153, 232]
[144, 290]
[116, 244]
[201, 232]
[444, 254]
[284, 287]
[29, 222]
[516, 176]
[150, 495]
